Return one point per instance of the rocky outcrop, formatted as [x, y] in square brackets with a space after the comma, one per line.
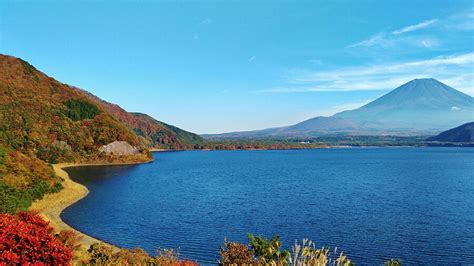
[62, 145]
[119, 148]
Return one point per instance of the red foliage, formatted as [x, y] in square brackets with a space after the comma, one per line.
[70, 239]
[184, 263]
[27, 239]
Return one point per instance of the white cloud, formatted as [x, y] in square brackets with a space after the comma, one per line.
[205, 22]
[393, 39]
[422, 25]
[428, 43]
[377, 39]
[454, 70]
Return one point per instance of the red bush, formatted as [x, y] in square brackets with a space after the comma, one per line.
[27, 239]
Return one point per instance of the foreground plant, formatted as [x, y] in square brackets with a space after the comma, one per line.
[236, 253]
[26, 239]
[261, 251]
[393, 262]
[268, 252]
[308, 254]
[70, 239]
[101, 254]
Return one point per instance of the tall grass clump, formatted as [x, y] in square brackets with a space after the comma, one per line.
[307, 253]
[261, 251]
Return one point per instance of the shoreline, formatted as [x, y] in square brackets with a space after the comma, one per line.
[52, 205]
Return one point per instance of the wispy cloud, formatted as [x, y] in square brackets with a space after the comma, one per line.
[205, 22]
[454, 70]
[377, 39]
[422, 25]
[462, 22]
[385, 39]
[428, 42]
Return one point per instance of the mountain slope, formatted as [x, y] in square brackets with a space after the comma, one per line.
[44, 121]
[463, 133]
[419, 105]
[323, 124]
[43, 117]
[161, 135]
[153, 133]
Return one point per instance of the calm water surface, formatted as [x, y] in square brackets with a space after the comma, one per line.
[416, 204]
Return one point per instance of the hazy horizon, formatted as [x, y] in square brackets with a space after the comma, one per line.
[211, 67]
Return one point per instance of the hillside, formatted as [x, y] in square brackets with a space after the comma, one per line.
[153, 133]
[162, 135]
[45, 121]
[53, 121]
[463, 134]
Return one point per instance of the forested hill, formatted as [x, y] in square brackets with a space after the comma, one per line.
[463, 134]
[153, 133]
[45, 121]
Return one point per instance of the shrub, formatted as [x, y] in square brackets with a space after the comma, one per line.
[105, 255]
[80, 110]
[12, 199]
[264, 252]
[235, 253]
[135, 256]
[100, 254]
[26, 239]
[19, 199]
[3, 155]
[166, 257]
[70, 239]
[268, 251]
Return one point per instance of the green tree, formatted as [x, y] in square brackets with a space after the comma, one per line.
[268, 251]
[80, 110]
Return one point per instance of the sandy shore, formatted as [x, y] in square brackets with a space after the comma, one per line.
[51, 206]
[154, 149]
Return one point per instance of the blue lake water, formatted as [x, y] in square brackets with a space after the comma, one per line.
[416, 204]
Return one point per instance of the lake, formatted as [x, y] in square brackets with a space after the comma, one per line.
[416, 204]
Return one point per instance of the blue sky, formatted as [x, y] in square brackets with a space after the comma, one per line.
[215, 66]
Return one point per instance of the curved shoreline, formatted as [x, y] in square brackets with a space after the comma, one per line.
[52, 205]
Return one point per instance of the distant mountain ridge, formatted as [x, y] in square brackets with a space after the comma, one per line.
[421, 104]
[419, 107]
[463, 134]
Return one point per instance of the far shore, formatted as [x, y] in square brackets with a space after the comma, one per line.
[155, 149]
